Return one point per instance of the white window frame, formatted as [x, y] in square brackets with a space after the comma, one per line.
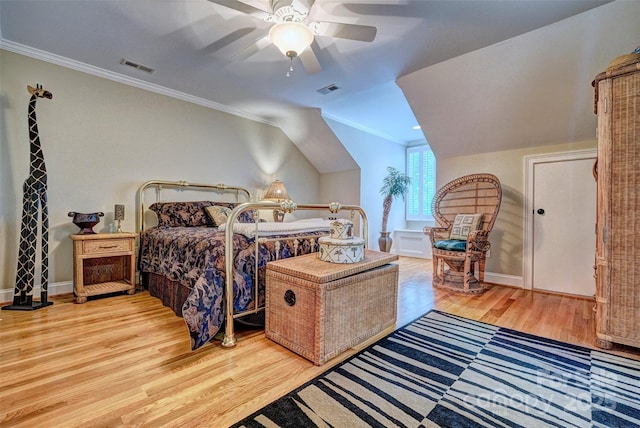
[417, 185]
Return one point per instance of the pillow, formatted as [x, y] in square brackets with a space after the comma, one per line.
[217, 214]
[181, 214]
[192, 214]
[463, 224]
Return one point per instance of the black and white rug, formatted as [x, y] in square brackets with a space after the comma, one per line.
[444, 370]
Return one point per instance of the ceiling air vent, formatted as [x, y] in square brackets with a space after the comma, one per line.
[328, 89]
[137, 66]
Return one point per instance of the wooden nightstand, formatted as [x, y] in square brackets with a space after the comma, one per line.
[103, 263]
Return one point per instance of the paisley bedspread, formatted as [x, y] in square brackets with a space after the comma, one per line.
[195, 256]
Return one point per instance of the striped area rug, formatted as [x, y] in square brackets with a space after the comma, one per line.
[446, 371]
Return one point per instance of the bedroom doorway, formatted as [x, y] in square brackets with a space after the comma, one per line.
[560, 214]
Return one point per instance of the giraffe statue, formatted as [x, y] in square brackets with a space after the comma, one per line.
[34, 202]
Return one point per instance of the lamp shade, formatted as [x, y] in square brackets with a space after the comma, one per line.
[291, 37]
[276, 192]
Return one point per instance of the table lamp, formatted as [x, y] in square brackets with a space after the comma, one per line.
[278, 193]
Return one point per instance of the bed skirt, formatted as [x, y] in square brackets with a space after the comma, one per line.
[171, 293]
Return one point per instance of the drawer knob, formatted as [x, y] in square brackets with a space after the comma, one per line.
[290, 297]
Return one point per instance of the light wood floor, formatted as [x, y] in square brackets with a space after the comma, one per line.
[125, 360]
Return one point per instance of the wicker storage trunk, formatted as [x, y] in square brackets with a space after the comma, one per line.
[319, 309]
[618, 200]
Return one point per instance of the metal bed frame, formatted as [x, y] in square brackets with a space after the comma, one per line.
[287, 206]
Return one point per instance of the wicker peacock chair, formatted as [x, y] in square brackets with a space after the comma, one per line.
[465, 210]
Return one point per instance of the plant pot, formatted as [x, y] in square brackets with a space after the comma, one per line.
[385, 242]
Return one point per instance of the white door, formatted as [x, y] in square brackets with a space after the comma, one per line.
[564, 216]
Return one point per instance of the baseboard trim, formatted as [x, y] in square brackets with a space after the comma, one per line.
[502, 279]
[63, 287]
[409, 253]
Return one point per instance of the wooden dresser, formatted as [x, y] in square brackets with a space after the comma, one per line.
[618, 207]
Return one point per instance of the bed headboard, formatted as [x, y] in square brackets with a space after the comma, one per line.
[241, 194]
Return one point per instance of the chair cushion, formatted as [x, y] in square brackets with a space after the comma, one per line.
[451, 245]
[463, 224]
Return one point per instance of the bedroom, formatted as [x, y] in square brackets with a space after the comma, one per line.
[110, 137]
[96, 164]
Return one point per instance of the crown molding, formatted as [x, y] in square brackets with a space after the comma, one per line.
[51, 58]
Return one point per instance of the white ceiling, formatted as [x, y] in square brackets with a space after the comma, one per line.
[190, 44]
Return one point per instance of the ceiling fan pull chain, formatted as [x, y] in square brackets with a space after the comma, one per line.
[290, 71]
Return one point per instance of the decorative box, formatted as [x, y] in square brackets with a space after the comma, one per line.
[341, 229]
[341, 246]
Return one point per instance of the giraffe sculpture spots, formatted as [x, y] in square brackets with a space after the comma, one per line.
[34, 202]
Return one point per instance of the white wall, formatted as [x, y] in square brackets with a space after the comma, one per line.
[102, 140]
[343, 187]
[508, 232]
[373, 154]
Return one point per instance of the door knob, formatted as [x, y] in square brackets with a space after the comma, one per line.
[540, 211]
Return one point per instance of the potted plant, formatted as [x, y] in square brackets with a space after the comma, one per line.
[395, 184]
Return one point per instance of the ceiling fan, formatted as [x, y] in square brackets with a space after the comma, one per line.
[293, 31]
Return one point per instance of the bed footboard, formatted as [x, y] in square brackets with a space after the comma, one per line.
[229, 339]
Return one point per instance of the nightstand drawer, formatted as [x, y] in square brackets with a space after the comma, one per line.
[106, 246]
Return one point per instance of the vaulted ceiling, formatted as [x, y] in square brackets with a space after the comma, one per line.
[383, 87]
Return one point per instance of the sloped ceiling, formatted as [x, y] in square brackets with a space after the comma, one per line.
[531, 90]
[316, 140]
[191, 44]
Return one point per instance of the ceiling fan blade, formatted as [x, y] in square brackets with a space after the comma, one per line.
[362, 33]
[225, 41]
[243, 7]
[408, 8]
[310, 61]
[252, 49]
[302, 4]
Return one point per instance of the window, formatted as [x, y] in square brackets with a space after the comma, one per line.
[421, 167]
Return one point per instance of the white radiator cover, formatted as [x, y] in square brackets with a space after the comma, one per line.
[411, 243]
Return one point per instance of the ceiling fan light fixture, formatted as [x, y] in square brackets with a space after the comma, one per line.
[291, 37]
